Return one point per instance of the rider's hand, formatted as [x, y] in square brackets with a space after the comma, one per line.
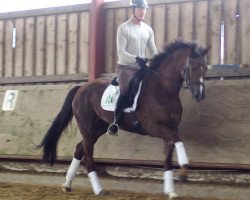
[141, 61]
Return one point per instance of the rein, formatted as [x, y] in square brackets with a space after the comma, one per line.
[186, 83]
[166, 78]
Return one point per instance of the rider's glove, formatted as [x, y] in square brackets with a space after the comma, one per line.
[141, 61]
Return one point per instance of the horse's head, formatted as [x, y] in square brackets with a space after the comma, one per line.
[194, 71]
[182, 62]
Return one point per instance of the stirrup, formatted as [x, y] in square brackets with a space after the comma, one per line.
[113, 129]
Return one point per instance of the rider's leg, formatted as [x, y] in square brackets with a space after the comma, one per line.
[125, 75]
[120, 105]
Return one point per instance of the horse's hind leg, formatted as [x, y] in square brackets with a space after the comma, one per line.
[73, 168]
[90, 135]
[92, 174]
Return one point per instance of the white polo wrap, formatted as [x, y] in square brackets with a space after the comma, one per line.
[96, 186]
[181, 154]
[168, 177]
[73, 168]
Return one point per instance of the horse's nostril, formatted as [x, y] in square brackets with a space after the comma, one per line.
[199, 96]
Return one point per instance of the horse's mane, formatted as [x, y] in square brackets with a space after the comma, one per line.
[168, 50]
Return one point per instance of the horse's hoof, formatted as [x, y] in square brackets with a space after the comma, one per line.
[104, 193]
[173, 196]
[183, 179]
[65, 188]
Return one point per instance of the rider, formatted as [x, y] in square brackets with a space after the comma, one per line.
[133, 36]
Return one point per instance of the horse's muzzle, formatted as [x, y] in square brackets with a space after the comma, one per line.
[198, 96]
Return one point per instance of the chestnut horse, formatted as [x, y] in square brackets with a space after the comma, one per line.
[159, 111]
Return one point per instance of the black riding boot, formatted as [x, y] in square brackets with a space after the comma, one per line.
[120, 105]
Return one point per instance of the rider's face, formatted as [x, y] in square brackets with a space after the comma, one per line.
[140, 13]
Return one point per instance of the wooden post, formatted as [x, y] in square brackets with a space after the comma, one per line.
[96, 46]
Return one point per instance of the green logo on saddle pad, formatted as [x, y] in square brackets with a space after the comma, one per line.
[109, 99]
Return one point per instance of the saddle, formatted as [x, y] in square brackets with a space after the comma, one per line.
[112, 92]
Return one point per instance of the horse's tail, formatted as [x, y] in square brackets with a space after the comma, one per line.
[49, 142]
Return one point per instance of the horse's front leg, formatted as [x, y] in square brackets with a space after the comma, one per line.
[180, 149]
[181, 158]
[168, 176]
[182, 161]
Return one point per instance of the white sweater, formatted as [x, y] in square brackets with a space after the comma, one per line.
[132, 40]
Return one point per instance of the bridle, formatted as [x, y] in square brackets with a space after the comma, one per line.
[187, 83]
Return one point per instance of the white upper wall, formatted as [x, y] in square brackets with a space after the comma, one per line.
[16, 5]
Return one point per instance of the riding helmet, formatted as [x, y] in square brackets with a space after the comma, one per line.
[138, 4]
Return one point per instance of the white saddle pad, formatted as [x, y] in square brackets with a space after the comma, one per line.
[110, 96]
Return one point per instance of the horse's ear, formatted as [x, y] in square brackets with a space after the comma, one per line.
[204, 52]
[194, 49]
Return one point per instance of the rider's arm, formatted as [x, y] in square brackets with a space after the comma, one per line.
[121, 41]
[151, 44]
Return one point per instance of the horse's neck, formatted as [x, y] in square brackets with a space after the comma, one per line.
[172, 69]
[157, 82]
[169, 80]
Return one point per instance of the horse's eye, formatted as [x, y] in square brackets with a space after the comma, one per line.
[203, 68]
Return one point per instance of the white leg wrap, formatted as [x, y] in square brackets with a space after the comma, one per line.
[96, 186]
[168, 181]
[181, 154]
[73, 168]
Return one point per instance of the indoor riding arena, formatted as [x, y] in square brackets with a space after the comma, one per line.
[45, 52]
